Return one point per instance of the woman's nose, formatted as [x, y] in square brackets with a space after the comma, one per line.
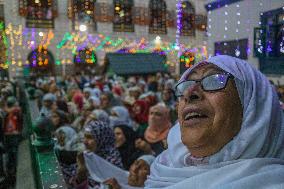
[193, 93]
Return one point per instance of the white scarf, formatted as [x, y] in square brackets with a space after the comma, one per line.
[253, 159]
[101, 170]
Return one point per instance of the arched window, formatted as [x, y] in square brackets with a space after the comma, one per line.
[82, 14]
[39, 13]
[158, 12]
[187, 19]
[41, 62]
[123, 21]
[85, 60]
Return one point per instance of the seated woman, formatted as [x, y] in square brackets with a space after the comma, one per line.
[230, 131]
[125, 143]
[154, 139]
[140, 113]
[99, 139]
[159, 126]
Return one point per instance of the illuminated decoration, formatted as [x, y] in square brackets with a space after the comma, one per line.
[41, 61]
[85, 56]
[158, 12]
[237, 49]
[187, 19]
[85, 60]
[38, 13]
[179, 26]
[3, 47]
[82, 13]
[187, 58]
[19, 38]
[269, 38]
[122, 21]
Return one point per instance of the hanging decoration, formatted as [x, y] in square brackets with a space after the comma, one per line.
[187, 58]
[179, 26]
[33, 39]
[187, 19]
[3, 47]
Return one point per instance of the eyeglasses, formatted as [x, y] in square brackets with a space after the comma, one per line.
[209, 83]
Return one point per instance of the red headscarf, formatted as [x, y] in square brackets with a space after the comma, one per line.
[140, 110]
[78, 99]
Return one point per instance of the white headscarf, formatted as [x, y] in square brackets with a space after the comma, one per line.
[71, 141]
[122, 118]
[253, 159]
[101, 170]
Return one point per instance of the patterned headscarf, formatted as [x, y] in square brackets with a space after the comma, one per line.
[104, 136]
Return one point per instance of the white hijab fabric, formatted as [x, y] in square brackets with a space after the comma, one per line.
[71, 142]
[253, 159]
[101, 170]
[122, 118]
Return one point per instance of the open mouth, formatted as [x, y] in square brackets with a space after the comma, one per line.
[194, 115]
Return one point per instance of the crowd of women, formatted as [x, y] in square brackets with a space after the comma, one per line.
[122, 122]
[220, 126]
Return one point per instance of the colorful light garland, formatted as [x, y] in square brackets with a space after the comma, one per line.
[179, 25]
[21, 38]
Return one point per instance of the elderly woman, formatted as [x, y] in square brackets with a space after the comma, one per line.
[230, 131]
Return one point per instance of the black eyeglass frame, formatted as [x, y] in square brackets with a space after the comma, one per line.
[200, 81]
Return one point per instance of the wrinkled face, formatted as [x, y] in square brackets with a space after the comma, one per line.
[138, 173]
[208, 119]
[55, 119]
[119, 137]
[90, 142]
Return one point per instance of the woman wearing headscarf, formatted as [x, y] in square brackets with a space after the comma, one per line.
[78, 99]
[230, 132]
[66, 146]
[47, 102]
[125, 143]
[59, 118]
[99, 139]
[107, 101]
[99, 115]
[120, 116]
[140, 111]
[158, 129]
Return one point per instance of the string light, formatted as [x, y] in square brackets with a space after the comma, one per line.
[75, 41]
[238, 14]
[179, 25]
